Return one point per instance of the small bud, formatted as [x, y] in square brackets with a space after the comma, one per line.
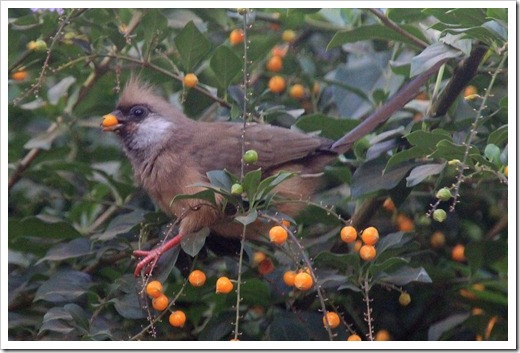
[236, 189]
[439, 215]
[444, 194]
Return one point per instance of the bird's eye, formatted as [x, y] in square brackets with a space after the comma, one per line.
[138, 111]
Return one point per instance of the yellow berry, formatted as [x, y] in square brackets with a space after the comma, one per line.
[370, 236]
[258, 257]
[506, 170]
[190, 80]
[288, 278]
[276, 84]
[367, 252]
[278, 235]
[348, 234]
[160, 303]
[332, 319]
[154, 289]
[405, 299]
[354, 337]
[297, 91]
[197, 278]
[224, 285]
[303, 281]
[289, 36]
[177, 318]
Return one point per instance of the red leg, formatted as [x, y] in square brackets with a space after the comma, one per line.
[151, 257]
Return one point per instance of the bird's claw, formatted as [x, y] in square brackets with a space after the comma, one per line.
[148, 262]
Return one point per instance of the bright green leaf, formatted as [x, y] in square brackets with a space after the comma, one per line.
[192, 45]
[225, 64]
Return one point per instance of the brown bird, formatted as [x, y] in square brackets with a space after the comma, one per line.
[170, 153]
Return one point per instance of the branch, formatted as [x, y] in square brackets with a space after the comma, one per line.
[395, 27]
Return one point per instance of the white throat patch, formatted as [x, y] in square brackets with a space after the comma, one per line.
[151, 131]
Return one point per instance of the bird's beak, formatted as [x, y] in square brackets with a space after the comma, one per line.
[110, 122]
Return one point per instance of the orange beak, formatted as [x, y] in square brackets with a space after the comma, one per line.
[110, 122]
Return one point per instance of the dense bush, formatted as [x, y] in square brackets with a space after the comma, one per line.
[75, 215]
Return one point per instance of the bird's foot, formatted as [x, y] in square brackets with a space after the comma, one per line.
[151, 257]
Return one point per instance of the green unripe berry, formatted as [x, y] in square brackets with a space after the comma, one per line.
[236, 189]
[405, 299]
[454, 162]
[242, 11]
[250, 157]
[444, 194]
[439, 215]
[37, 45]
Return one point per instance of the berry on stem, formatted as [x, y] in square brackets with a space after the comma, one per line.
[224, 285]
[154, 289]
[303, 281]
[276, 84]
[288, 278]
[370, 236]
[236, 36]
[197, 278]
[177, 318]
[348, 234]
[160, 303]
[367, 252]
[278, 235]
[190, 80]
[354, 337]
[332, 319]
[405, 299]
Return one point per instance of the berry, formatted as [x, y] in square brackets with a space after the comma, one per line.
[236, 36]
[288, 278]
[177, 318]
[278, 235]
[197, 278]
[389, 205]
[280, 50]
[109, 120]
[224, 285]
[276, 84]
[405, 299]
[457, 253]
[19, 75]
[289, 36]
[404, 223]
[236, 189]
[266, 267]
[37, 45]
[382, 335]
[241, 11]
[250, 156]
[357, 245]
[332, 319]
[275, 64]
[444, 194]
[423, 96]
[470, 91]
[348, 234]
[303, 281]
[154, 289]
[354, 337]
[190, 80]
[297, 91]
[367, 252]
[370, 236]
[439, 215]
[160, 303]
[316, 88]
[437, 240]
[286, 223]
[506, 171]
[258, 257]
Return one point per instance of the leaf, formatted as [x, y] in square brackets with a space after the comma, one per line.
[287, 327]
[121, 224]
[193, 242]
[431, 56]
[369, 177]
[485, 253]
[421, 172]
[225, 64]
[75, 248]
[427, 139]
[64, 286]
[492, 153]
[255, 291]
[192, 45]
[448, 150]
[250, 183]
[206, 195]
[329, 127]
[439, 328]
[57, 320]
[342, 262]
[220, 179]
[497, 13]
[269, 183]
[386, 265]
[59, 90]
[218, 327]
[249, 218]
[406, 155]
[405, 275]
[498, 136]
[392, 240]
[45, 139]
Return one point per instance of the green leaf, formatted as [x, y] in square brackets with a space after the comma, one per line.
[462, 17]
[57, 320]
[439, 328]
[492, 152]
[431, 56]
[329, 127]
[269, 183]
[250, 183]
[392, 240]
[206, 195]
[406, 155]
[220, 179]
[497, 14]
[342, 262]
[405, 275]
[428, 139]
[249, 218]
[406, 15]
[371, 32]
[121, 224]
[287, 327]
[193, 242]
[449, 150]
[64, 286]
[192, 45]
[386, 265]
[422, 172]
[45, 139]
[218, 327]
[225, 65]
[75, 248]
[485, 253]
[255, 291]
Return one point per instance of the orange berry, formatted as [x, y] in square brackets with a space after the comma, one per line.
[470, 91]
[348, 234]
[109, 120]
[423, 96]
[289, 36]
[303, 281]
[286, 223]
[197, 278]
[265, 267]
[274, 64]
[477, 311]
[288, 278]
[506, 169]
[276, 84]
[367, 252]
[437, 240]
[382, 335]
[160, 303]
[332, 319]
[316, 88]
[404, 223]
[370, 236]
[405, 299]
[154, 289]
[457, 253]
[258, 257]
[224, 285]
[357, 245]
[19, 75]
[190, 80]
[236, 36]
[389, 205]
[177, 318]
[278, 235]
[297, 91]
[280, 50]
[479, 287]
[354, 337]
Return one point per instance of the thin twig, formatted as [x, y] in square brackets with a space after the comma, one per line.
[239, 281]
[392, 25]
[366, 298]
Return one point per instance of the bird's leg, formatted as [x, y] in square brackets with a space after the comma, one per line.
[152, 256]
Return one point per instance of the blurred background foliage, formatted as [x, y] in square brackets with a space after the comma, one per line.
[75, 215]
